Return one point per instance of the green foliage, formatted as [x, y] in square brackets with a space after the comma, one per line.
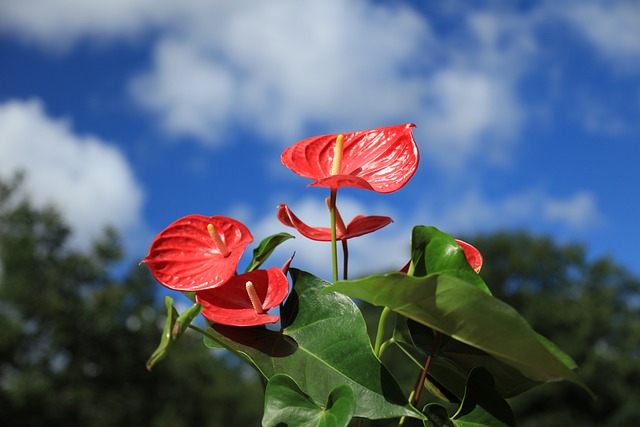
[442, 298]
[323, 344]
[481, 405]
[287, 405]
[174, 327]
[466, 313]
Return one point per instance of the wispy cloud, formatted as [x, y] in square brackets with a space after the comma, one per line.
[535, 208]
[389, 248]
[611, 27]
[59, 25]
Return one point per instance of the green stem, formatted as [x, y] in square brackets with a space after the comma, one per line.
[382, 322]
[334, 249]
[384, 346]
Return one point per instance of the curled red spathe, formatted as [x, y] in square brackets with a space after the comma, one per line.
[358, 226]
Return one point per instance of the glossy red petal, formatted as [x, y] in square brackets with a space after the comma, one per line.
[361, 225]
[474, 257]
[229, 304]
[289, 219]
[338, 181]
[384, 158]
[183, 256]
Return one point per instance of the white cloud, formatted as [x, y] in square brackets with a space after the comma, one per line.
[534, 209]
[86, 178]
[610, 26]
[277, 67]
[578, 211]
[472, 114]
[191, 94]
[58, 24]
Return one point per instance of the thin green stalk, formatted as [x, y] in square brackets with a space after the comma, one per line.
[334, 248]
[382, 322]
[384, 346]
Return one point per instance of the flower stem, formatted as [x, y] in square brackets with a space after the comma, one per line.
[334, 248]
[345, 260]
[423, 377]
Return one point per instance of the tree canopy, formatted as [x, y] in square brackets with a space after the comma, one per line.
[590, 308]
[75, 339]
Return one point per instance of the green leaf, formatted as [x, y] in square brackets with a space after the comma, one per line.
[437, 416]
[324, 343]
[482, 406]
[266, 248]
[433, 251]
[286, 404]
[445, 380]
[465, 312]
[454, 360]
[174, 327]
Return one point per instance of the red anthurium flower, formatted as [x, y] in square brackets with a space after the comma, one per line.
[474, 257]
[197, 252]
[382, 160]
[245, 299]
[357, 227]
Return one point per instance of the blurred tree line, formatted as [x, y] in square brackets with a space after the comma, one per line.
[74, 338]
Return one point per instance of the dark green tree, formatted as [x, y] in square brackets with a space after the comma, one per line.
[75, 338]
[590, 308]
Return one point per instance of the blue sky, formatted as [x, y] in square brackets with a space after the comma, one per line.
[137, 112]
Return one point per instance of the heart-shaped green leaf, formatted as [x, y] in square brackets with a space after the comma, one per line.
[437, 416]
[465, 312]
[287, 405]
[324, 343]
[482, 406]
